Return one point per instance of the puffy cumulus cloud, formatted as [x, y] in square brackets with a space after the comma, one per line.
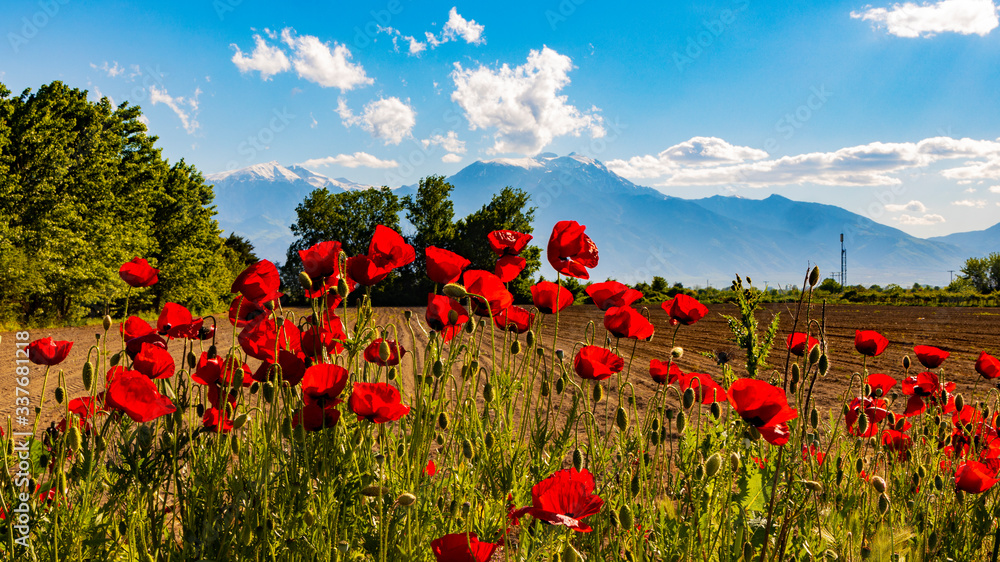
[966, 17]
[451, 158]
[872, 164]
[975, 203]
[988, 170]
[113, 70]
[317, 62]
[699, 151]
[356, 160]
[912, 207]
[523, 103]
[389, 119]
[924, 220]
[448, 142]
[995, 189]
[185, 108]
[264, 58]
[457, 26]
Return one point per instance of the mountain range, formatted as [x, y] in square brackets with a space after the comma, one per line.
[640, 232]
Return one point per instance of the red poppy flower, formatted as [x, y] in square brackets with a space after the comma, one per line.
[596, 363]
[974, 477]
[396, 352]
[491, 297]
[926, 385]
[875, 409]
[314, 417]
[174, 321]
[815, 452]
[292, 363]
[565, 498]
[514, 319]
[684, 309]
[549, 297]
[626, 322]
[440, 315]
[880, 384]
[322, 261]
[259, 282]
[134, 327]
[763, 406]
[134, 394]
[221, 371]
[799, 343]
[431, 468]
[138, 273]
[261, 338]
[87, 406]
[389, 249]
[507, 242]
[216, 420]
[243, 311]
[461, 547]
[988, 366]
[869, 342]
[612, 293]
[322, 384]
[154, 362]
[930, 356]
[706, 390]
[660, 373]
[331, 337]
[377, 402]
[898, 442]
[443, 266]
[365, 271]
[508, 268]
[47, 351]
[570, 251]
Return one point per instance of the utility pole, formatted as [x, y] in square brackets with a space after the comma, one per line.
[952, 272]
[843, 262]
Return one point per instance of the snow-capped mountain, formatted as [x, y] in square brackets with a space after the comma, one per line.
[640, 231]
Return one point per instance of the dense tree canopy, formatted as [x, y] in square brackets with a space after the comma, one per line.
[84, 189]
[983, 273]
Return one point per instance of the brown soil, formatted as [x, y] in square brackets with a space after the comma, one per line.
[961, 331]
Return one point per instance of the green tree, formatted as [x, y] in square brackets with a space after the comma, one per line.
[242, 249]
[508, 210]
[432, 214]
[983, 273]
[349, 217]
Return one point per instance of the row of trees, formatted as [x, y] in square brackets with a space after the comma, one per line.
[83, 189]
[351, 217]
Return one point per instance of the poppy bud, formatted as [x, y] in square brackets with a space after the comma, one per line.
[286, 428]
[469, 327]
[814, 355]
[300, 432]
[840, 476]
[866, 389]
[443, 420]
[699, 472]
[454, 290]
[669, 414]
[712, 465]
[391, 375]
[308, 518]
[814, 418]
[814, 276]
[88, 374]
[239, 421]
[453, 508]
[488, 439]
[515, 347]
[634, 483]
[234, 443]
[529, 338]
[734, 461]
[813, 486]
[824, 365]
[681, 422]
[879, 484]
[654, 437]
[60, 394]
[577, 459]
[715, 409]
[407, 314]
[439, 439]
[959, 402]
[883, 504]
[212, 352]
[688, 399]
[677, 352]
[859, 465]
[559, 385]
[560, 354]
[544, 391]
[862, 423]
[400, 450]
[625, 517]
[621, 419]
[466, 448]
[796, 373]
[598, 392]
[384, 352]
[74, 439]
[115, 358]
[747, 551]
[373, 491]
[406, 499]
[305, 280]
[342, 288]
[488, 392]
[906, 362]
[268, 392]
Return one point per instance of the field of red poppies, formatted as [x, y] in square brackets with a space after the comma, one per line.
[476, 429]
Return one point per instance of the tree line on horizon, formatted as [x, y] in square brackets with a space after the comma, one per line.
[84, 188]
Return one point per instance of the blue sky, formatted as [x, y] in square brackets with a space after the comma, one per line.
[888, 110]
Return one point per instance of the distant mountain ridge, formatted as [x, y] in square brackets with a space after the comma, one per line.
[640, 232]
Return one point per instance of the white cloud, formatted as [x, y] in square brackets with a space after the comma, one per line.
[523, 103]
[265, 59]
[468, 30]
[185, 108]
[448, 142]
[966, 17]
[113, 70]
[995, 189]
[389, 119]
[416, 47]
[699, 151]
[451, 158]
[920, 221]
[912, 207]
[356, 160]
[871, 164]
[978, 204]
[329, 67]
[970, 190]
